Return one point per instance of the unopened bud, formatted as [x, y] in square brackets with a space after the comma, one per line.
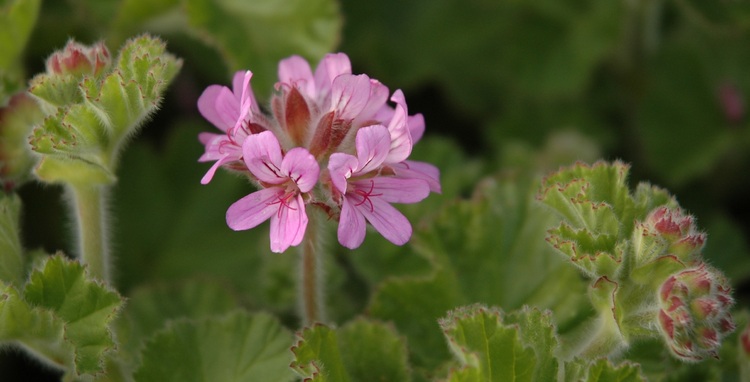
[678, 230]
[78, 60]
[694, 314]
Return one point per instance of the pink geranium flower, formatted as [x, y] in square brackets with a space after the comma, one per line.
[366, 195]
[327, 115]
[231, 111]
[284, 178]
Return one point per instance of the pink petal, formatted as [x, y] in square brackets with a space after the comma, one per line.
[300, 166]
[373, 143]
[207, 138]
[419, 170]
[393, 190]
[288, 225]
[254, 209]
[330, 67]
[340, 167]
[378, 98]
[262, 155]
[246, 98]
[352, 226]
[385, 219]
[401, 142]
[349, 95]
[295, 71]
[211, 171]
[218, 105]
[416, 127]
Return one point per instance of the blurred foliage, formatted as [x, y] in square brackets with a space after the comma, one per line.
[510, 90]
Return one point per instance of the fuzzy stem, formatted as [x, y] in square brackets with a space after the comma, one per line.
[91, 224]
[311, 295]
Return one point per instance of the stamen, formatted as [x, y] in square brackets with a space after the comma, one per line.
[366, 196]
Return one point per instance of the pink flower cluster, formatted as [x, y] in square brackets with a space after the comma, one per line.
[331, 140]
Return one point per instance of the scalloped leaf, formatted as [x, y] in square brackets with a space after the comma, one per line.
[594, 197]
[604, 371]
[11, 251]
[86, 307]
[150, 307]
[362, 350]
[489, 349]
[231, 348]
[62, 317]
[257, 34]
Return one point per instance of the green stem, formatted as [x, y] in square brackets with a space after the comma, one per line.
[91, 224]
[311, 296]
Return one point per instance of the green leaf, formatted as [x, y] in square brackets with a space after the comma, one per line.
[150, 307]
[362, 350]
[563, 44]
[63, 317]
[520, 350]
[11, 252]
[489, 249]
[37, 329]
[604, 371]
[255, 35]
[17, 18]
[85, 306]
[234, 347]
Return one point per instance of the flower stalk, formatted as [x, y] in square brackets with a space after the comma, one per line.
[90, 212]
[312, 306]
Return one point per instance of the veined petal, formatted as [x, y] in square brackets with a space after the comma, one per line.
[262, 155]
[416, 127]
[218, 105]
[247, 99]
[289, 224]
[254, 209]
[349, 95]
[401, 142]
[378, 98]
[241, 88]
[207, 138]
[295, 71]
[330, 67]
[211, 171]
[393, 190]
[299, 165]
[386, 219]
[409, 169]
[340, 167]
[352, 226]
[373, 143]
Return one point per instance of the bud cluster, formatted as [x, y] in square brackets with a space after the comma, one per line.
[331, 141]
[694, 312]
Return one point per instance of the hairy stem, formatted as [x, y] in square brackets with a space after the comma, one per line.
[89, 204]
[311, 295]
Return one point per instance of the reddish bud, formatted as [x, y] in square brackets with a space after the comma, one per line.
[694, 314]
[77, 59]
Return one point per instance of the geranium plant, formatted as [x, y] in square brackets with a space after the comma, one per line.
[242, 204]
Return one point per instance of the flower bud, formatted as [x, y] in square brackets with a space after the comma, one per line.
[677, 230]
[694, 312]
[78, 60]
